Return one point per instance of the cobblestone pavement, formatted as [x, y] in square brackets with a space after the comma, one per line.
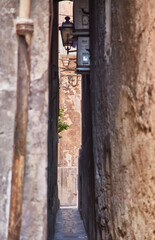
[69, 225]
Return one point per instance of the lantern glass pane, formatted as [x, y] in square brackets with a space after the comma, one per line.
[66, 36]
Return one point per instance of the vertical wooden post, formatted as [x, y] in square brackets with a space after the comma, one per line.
[24, 30]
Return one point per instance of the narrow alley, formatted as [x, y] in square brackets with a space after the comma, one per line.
[77, 120]
[69, 225]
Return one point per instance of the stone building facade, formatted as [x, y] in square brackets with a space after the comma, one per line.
[69, 144]
[70, 101]
[123, 114]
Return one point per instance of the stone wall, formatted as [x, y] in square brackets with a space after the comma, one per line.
[86, 164]
[8, 79]
[34, 217]
[123, 110]
[53, 203]
[34, 214]
[69, 144]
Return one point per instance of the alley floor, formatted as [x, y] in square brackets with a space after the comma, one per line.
[69, 225]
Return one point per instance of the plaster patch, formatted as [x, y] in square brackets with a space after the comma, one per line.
[68, 159]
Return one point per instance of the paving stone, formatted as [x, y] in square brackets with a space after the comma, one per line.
[69, 225]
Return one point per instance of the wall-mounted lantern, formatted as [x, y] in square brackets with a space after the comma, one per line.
[66, 33]
[78, 34]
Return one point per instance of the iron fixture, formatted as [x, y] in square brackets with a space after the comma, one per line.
[66, 33]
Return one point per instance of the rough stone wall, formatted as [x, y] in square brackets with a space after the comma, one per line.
[8, 80]
[69, 144]
[86, 164]
[34, 217]
[123, 104]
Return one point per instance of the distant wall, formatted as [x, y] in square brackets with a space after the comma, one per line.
[69, 144]
[123, 105]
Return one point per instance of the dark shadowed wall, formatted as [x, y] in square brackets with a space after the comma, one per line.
[53, 125]
[86, 163]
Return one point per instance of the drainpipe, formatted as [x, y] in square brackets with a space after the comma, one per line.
[24, 29]
[24, 10]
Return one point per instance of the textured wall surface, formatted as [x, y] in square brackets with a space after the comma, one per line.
[34, 217]
[53, 125]
[86, 164]
[8, 80]
[69, 144]
[123, 103]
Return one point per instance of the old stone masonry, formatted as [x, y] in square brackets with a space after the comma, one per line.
[69, 225]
